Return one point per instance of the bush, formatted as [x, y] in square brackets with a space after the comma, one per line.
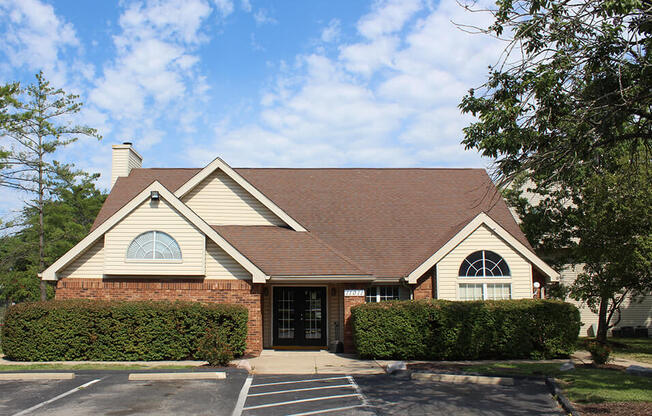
[215, 347]
[117, 330]
[446, 330]
[600, 352]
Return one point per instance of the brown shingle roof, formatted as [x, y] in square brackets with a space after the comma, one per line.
[384, 222]
[280, 251]
[388, 221]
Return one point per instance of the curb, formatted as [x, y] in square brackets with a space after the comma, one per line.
[461, 379]
[36, 376]
[213, 375]
[563, 401]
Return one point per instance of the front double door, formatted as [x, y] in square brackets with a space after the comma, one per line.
[299, 316]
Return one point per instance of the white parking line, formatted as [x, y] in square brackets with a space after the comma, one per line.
[358, 390]
[300, 381]
[242, 398]
[61, 396]
[333, 409]
[267, 393]
[314, 399]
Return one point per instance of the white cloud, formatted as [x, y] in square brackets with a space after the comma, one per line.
[225, 7]
[246, 5]
[331, 33]
[35, 37]
[387, 17]
[365, 58]
[261, 17]
[154, 70]
[389, 99]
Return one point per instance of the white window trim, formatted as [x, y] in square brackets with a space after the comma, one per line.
[484, 276]
[484, 290]
[153, 259]
[377, 290]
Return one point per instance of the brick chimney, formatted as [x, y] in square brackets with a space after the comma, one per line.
[125, 158]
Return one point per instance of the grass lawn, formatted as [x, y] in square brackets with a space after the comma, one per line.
[19, 367]
[582, 385]
[637, 349]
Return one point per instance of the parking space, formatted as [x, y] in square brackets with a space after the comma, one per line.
[304, 395]
[111, 393]
[394, 396]
[18, 396]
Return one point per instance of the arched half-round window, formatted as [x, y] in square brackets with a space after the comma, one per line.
[484, 263]
[154, 245]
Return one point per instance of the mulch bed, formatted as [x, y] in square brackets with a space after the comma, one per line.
[615, 409]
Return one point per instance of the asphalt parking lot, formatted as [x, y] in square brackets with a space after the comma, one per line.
[114, 395]
[111, 393]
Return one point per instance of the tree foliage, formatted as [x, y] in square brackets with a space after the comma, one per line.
[68, 217]
[566, 113]
[38, 121]
[575, 80]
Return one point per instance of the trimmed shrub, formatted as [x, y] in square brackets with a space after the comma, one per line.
[446, 330]
[600, 352]
[215, 347]
[117, 330]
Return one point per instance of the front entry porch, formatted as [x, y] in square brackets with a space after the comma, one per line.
[311, 316]
[299, 316]
[313, 362]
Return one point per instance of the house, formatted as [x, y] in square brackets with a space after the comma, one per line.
[299, 247]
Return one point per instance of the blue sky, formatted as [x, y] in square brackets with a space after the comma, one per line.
[258, 83]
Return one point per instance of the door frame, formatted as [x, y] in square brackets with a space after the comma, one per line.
[272, 326]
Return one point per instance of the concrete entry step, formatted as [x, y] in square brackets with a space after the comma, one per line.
[312, 362]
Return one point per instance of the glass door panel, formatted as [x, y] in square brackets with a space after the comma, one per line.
[299, 316]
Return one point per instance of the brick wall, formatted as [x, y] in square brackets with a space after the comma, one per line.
[349, 302]
[424, 288]
[238, 292]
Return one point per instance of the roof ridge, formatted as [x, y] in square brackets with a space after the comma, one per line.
[310, 234]
[338, 254]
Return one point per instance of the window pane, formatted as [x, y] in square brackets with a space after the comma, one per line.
[373, 293]
[495, 265]
[499, 291]
[154, 245]
[484, 263]
[470, 291]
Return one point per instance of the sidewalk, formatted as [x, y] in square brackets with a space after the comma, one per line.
[584, 357]
[312, 362]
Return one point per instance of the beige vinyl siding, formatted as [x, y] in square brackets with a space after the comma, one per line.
[636, 312]
[219, 200]
[483, 239]
[159, 216]
[89, 264]
[123, 161]
[219, 265]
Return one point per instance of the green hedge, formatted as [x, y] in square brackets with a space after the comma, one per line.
[446, 330]
[116, 330]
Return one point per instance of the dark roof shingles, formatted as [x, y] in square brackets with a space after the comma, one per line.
[384, 222]
[280, 251]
